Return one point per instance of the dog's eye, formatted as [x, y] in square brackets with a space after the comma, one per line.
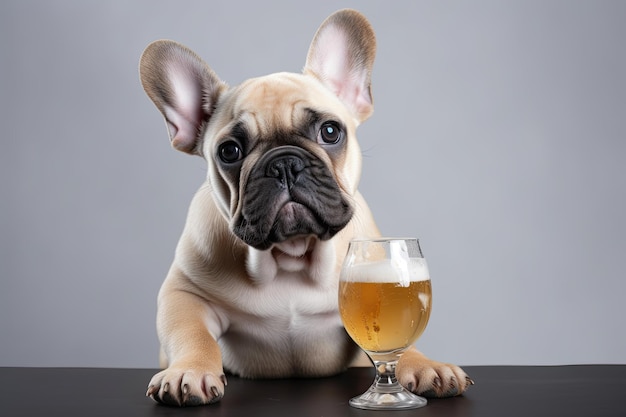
[330, 133]
[230, 152]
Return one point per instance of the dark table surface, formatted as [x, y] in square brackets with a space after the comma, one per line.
[535, 391]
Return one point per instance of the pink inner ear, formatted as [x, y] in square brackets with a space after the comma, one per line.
[183, 132]
[185, 115]
[346, 79]
[330, 60]
[188, 93]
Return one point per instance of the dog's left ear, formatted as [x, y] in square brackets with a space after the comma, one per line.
[341, 56]
[184, 89]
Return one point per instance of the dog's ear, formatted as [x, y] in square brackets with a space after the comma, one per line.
[182, 87]
[341, 56]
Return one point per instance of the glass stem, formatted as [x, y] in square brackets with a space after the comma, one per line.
[385, 380]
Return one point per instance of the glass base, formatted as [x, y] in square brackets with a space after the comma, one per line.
[394, 397]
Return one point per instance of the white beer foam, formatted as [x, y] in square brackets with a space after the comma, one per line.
[402, 271]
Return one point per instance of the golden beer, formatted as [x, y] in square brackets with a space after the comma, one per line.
[384, 303]
[387, 315]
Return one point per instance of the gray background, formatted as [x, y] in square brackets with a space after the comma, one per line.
[499, 139]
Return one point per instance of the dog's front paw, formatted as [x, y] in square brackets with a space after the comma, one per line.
[431, 378]
[186, 387]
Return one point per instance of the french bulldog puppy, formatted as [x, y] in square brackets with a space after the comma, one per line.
[253, 286]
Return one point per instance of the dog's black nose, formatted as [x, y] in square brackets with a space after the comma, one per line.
[285, 168]
[285, 164]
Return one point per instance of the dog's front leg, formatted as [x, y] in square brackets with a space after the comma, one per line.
[430, 378]
[195, 375]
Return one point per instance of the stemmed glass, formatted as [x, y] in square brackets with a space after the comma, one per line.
[385, 302]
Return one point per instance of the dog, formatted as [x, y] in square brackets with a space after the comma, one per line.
[253, 286]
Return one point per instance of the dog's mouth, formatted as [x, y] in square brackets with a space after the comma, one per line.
[290, 194]
[289, 229]
[295, 219]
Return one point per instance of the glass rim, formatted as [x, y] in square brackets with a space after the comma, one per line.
[382, 239]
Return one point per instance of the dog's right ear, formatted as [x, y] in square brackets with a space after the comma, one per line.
[184, 89]
[341, 56]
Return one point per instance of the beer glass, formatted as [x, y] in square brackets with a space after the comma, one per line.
[384, 303]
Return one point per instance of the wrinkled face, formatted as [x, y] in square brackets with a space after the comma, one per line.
[283, 159]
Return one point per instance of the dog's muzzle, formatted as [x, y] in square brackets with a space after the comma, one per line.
[290, 192]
